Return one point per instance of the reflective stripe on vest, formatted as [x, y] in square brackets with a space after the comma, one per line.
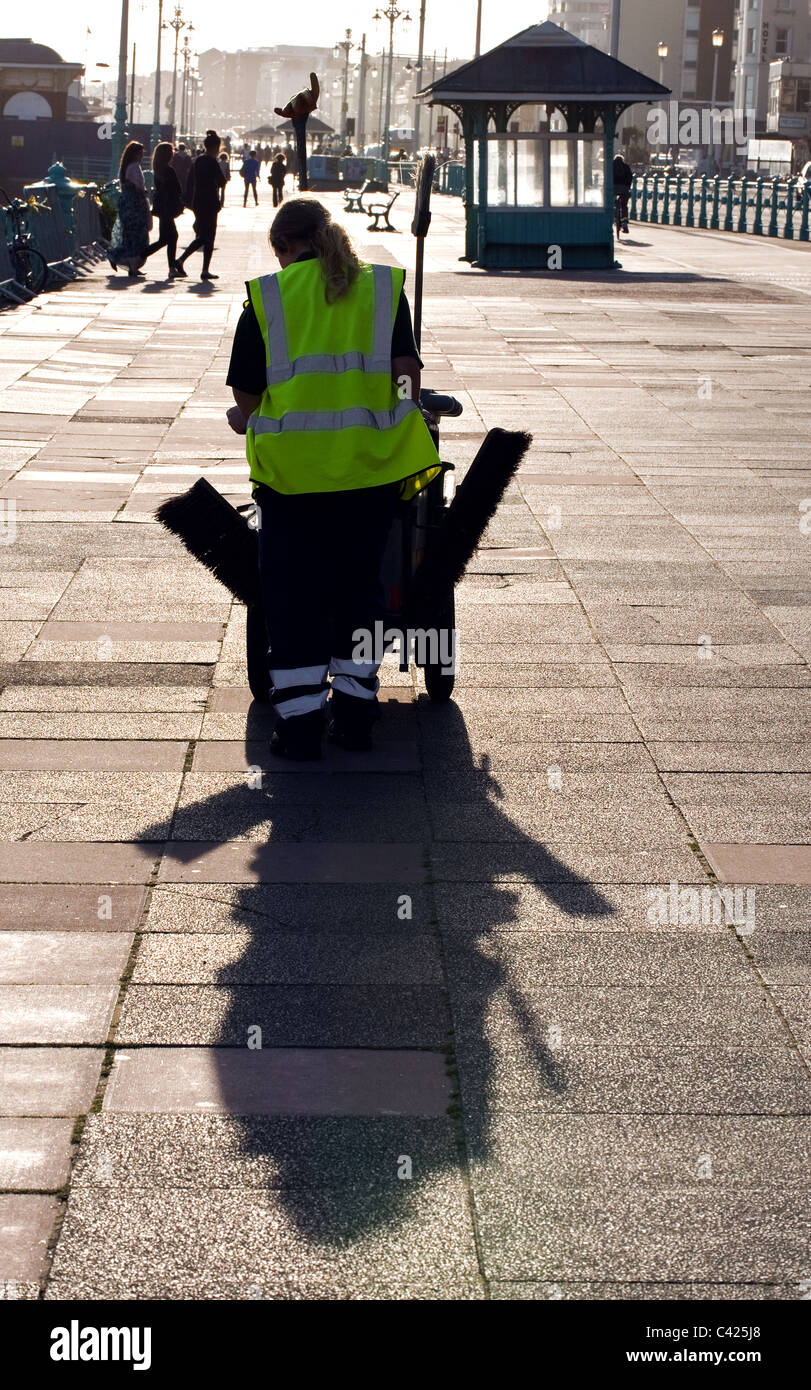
[332, 420]
[281, 368]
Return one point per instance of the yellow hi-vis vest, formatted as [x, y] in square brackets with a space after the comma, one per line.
[331, 418]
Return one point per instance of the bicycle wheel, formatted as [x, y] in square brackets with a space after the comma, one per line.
[30, 268]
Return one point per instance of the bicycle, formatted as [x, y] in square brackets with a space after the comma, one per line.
[30, 266]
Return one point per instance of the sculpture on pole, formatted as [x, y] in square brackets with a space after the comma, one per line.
[297, 110]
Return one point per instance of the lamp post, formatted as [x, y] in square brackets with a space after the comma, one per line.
[345, 46]
[156, 113]
[120, 117]
[184, 87]
[418, 79]
[392, 14]
[365, 64]
[662, 53]
[616, 15]
[177, 22]
[477, 54]
[717, 45]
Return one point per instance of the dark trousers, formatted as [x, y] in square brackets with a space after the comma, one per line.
[250, 183]
[278, 193]
[167, 236]
[205, 227]
[320, 556]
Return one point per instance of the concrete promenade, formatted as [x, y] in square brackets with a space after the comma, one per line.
[512, 1044]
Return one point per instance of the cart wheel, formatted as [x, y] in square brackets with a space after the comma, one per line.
[257, 653]
[438, 682]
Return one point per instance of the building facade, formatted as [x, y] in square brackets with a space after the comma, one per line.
[34, 81]
[772, 34]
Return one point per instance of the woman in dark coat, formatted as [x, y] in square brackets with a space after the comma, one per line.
[167, 205]
[131, 231]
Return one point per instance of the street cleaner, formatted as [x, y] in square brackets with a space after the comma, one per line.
[325, 374]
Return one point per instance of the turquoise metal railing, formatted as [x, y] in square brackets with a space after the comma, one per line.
[761, 206]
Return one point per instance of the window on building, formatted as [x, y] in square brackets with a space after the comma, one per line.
[782, 42]
[751, 39]
[690, 56]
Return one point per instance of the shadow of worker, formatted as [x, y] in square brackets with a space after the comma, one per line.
[333, 952]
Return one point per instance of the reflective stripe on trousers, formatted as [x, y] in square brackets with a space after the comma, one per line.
[355, 678]
[298, 690]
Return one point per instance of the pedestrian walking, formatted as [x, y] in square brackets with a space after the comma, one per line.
[181, 162]
[205, 181]
[225, 164]
[167, 205]
[130, 239]
[326, 481]
[276, 178]
[250, 173]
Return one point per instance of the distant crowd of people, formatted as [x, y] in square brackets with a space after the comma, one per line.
[184, 178]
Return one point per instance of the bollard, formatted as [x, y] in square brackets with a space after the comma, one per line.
[757, 227]
[702, 214]
[666, 203]
[728, 223]
[806, 201]
[775, 200]
[788, 230]
[677, 212]
[644, 214]
[715, 222]
[691, 209]
[742, 215]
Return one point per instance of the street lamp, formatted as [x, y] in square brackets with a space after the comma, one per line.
[156, 112]
[717, 45]
[392, 14]
[120, 117]
[662, 53]
[177, 22]
[345, 46]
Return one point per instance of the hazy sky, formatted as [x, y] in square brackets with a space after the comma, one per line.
[243, 24]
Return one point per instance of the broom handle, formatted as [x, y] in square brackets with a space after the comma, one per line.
[418, 291]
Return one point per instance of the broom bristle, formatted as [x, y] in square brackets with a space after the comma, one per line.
[475, 504]
[217, 535]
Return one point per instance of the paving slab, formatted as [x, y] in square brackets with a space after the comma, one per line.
[29, 907]
[25, 1227]
[413, 1241]
[752, 863]
[376, 1016]
[35, 1154]
[49, 1080]
[277, 1081]
[63, 1013]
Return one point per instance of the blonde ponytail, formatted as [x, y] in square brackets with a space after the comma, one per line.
[339, 262]
[307, 220]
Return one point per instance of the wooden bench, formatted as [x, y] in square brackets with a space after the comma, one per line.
[381, 209]
[352, 197]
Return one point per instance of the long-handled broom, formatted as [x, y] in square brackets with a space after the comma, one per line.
[217, 535]
[465, 520]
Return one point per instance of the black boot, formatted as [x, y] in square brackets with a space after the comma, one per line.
[299, 738]
[351, 721]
